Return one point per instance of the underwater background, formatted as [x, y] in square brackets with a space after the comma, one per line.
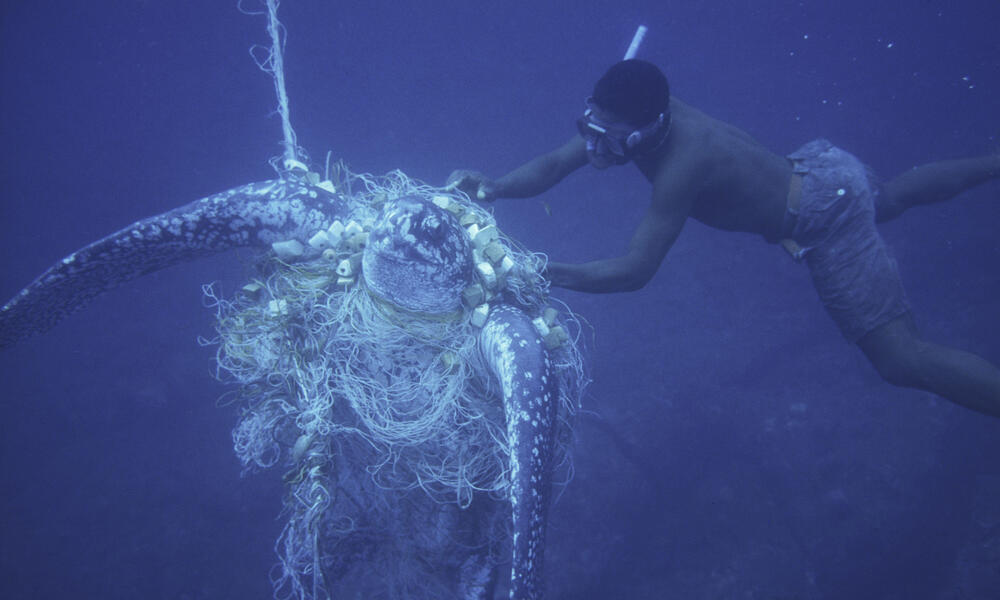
[733, 445]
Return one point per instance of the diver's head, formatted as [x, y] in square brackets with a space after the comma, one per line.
[627, 115]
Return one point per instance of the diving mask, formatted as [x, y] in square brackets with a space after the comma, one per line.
[612, 142]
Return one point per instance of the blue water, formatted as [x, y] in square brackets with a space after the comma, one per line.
[734, 446]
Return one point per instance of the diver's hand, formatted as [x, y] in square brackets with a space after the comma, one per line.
[475, 184]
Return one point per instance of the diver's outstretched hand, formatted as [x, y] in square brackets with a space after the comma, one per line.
[475, 184]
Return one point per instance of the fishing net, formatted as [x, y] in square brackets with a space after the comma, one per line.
[387, 423]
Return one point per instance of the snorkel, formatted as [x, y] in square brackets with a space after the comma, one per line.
[633, 48]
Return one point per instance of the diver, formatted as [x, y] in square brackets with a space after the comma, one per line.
[820, 202]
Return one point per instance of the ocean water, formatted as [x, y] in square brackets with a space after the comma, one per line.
[733, 444]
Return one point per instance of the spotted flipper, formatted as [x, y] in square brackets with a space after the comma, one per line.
[256, 214]
[517, 355]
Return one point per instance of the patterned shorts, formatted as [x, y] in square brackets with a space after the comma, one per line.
[852, 270]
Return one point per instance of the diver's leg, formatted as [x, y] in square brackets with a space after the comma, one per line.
[934, 182]
[902, 358]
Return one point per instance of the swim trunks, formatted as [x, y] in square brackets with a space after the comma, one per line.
[834, 224]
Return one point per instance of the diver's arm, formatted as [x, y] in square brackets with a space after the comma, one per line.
[654, 236]
[540, 174]
[530, 179]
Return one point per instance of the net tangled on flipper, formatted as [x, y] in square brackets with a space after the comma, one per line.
[387, 422]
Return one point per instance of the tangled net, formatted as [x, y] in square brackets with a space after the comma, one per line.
[388, 423]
